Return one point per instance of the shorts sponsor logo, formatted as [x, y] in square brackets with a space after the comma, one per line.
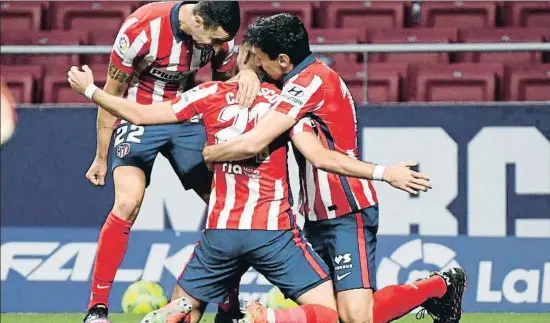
[340, 277]
[343, 262]
[122, 150]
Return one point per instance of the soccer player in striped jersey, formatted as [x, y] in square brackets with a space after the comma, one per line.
[155, 57]
[250, 221]
[342, 211]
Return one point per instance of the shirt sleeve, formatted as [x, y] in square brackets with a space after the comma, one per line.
[194, 102]
[226, 59]
[131, 43]
[303, 125]
[301, 94]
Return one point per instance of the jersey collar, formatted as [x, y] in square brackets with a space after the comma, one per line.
[174, 21]
[300, 67]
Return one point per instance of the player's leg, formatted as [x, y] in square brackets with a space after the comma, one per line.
[214, 265]
[185, 156]
[132, 164]
[350, 243]
[289, 263]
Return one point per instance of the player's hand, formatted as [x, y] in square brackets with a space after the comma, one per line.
[249, 85]
[402, 177]
[97, 172]
[79, 79]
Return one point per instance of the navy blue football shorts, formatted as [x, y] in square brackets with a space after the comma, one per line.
[181, 144]
[348, 245]
[221, 257]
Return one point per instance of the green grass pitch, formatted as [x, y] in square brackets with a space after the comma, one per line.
[122, 318]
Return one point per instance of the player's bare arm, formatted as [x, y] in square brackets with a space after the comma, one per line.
[399, 176]
[269, 127]
[117, 82]
[138, 114]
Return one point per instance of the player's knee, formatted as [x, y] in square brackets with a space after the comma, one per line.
[355, 313]
[126, 207]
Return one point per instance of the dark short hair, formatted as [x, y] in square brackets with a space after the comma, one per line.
[280, 34]
[224, 14]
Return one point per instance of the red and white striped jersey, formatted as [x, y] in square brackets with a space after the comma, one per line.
[314, 90]
[249, 194]
[161, 58]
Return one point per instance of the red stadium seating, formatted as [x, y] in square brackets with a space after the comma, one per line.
[528, 83]
[58, 90]
[411, 36]
[335, 36]
[383, 84]
[22, 81]
[101, 37]
[502, 35]
[458, 83]
[252, 9]
[76, 15]
[44, 38]
[21, 16]
[459, 14]
[527, 13]
[361, 14]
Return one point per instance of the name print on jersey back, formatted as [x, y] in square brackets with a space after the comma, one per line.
[249, 194]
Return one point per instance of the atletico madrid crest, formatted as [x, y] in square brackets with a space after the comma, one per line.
[122, 150]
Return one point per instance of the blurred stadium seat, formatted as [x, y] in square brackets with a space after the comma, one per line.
[458, 83]
[58, 90]
[326, 36]
[21, 16]
[22, 81]
[502, 35]
[412, 36]
[526, 13]
[55, 37]
[87, 15]
[527, 83]
[361, 14]
[383, 84]
[252, 9]
[459, 14]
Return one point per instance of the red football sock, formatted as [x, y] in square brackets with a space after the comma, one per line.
[392, 302]
[111, 247]
[304, 314]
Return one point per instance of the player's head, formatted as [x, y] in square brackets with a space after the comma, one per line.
[280, 42]
[215, 22]
[247, 57]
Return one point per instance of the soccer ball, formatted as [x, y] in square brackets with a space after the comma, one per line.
[143, 297]
[276, 299]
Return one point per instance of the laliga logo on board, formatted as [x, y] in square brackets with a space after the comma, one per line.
[432, 255]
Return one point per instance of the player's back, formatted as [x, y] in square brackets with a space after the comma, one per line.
[319, 93]
[253, 193]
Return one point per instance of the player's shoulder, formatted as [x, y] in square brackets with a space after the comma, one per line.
[315, 74]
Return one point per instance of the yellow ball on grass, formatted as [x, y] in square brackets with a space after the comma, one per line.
[143, 297]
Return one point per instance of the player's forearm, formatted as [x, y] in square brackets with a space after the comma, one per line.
[243, 147]
[338, 163]
[106, 121]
